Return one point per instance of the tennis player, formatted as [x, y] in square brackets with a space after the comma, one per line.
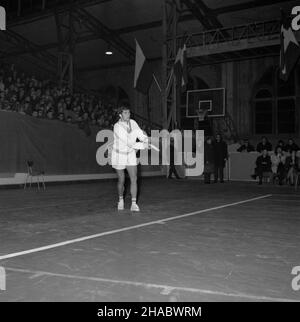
[125, 146]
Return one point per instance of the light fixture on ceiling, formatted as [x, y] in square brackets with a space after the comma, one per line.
[108, 51]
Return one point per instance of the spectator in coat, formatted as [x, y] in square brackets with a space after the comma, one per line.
[278, 164]
[292, 167]
[291, 146]
[220, 157]
[208, 159]
[263, 165]
[264, 145]
[172, 168]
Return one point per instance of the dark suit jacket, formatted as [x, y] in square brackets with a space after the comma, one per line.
[220, 153]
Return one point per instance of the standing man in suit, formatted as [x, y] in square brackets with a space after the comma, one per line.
[173, 152]
[220, 157]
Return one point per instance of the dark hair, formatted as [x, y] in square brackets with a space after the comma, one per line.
[280, 142]
[123, 107]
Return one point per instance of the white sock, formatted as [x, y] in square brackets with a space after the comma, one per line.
[133, 200]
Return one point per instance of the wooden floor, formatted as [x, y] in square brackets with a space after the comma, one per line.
[190, 242]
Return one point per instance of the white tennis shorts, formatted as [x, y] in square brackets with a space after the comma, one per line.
[120, 161]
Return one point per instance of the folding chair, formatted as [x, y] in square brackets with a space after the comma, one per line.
[267, 176]
[31, 174]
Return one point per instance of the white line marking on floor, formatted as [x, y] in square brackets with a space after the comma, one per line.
[115, 231]
[164, 289]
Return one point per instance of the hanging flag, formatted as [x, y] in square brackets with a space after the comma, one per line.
[180, 67]
[289, 48]
[142, 72]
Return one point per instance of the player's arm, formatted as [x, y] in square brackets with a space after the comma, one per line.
[141, 135]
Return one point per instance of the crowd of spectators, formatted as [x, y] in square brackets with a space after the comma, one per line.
[281, 164]
[43, 99]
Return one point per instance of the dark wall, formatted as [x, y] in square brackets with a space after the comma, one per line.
[54, 146]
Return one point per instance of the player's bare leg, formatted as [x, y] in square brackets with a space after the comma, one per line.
[121, 182]
[132, 171]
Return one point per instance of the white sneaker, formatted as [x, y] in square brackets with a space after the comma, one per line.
[134, 207]
[121, 205]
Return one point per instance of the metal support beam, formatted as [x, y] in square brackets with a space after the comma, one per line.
[16, 17]
[66, 45]
[169, 86]
[47, 60]
[203, 14]
[103, 32]
[48, 10]
[249, 5]
[153, 24]
[254, 35]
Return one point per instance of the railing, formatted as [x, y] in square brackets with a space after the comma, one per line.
[235, 33]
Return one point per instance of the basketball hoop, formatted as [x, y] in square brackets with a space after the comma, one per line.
[201, 114]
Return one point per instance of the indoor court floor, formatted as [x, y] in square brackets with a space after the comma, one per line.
[190, 242]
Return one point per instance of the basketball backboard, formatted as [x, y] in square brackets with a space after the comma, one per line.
[211, 100]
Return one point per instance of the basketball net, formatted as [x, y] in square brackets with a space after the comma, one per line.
[201, 115]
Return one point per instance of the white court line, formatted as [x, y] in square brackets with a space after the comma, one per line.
[165, 289]
[115, 231]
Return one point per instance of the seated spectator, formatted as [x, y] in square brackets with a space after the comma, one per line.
[40, 113]
[263, 165]
[85, 117]
[17, 106]
[2, 86]
[83, 124]
[278, 168]
[72, 113]
[21, 110]
[79, 122]
[27, 107]
[246, 147]
[280, 144]
[264, 145]
[106, 124]
[100, 122]
[292, 167]
[291, 146]
[61, 117]
[69, 120]
[50, 115]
